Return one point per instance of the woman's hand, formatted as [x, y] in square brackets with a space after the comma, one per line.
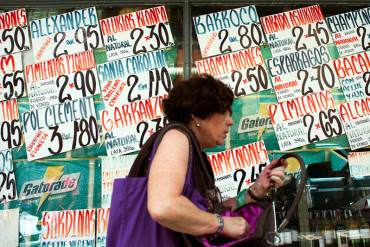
[272, 176]
[235, 227]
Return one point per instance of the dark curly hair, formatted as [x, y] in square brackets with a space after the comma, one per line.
[200, 96]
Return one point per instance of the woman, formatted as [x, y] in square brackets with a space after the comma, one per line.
[203, 104]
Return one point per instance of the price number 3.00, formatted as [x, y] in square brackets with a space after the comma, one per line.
[243, 176]
[14, 40]
[151, 38]
[85, 133]
[87, 37]
[248, 36]
[316, 30]
[328, 125]
[7, 177]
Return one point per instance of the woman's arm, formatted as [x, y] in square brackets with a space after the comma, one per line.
[168, 206]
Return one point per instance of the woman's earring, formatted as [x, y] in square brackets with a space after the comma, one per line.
[197, 124]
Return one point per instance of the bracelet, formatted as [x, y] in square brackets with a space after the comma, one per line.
[240, 198]
[220, 224]
[252, 195]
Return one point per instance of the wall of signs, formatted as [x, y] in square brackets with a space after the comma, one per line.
[81, 92]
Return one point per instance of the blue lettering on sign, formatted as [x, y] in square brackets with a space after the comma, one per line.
[64, 22]
[349, 20]
[225, 19]
[295, 61]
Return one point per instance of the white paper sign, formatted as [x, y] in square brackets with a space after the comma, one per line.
[244, 71]
[236, 169]
[228, 30]
[9, 222]
[124, 67]
[359, 165]
[102, 218]
[354, 75]
[10, 128]
[350, 31]
[296, 30]
[137, 32]
[64, 34]
[14, 35]
[8, 188]
[68, 228]
[355, 116]
[65, 78]
[12, 83]
[305, 120]
[144, 85]
[124, 140]
[59, 128]
[112, 168]
[300, 73]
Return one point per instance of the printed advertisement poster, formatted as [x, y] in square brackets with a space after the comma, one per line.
[8, 188]
[244, 71]
[60, 79]
[296, 30]
[9, 220]
[350, 31]
[10, 128]
[359, 164]
[59, 128]
[125, 132]
[55, 185]
[68, 228]
[299, 73]
[137, 32]
[355, 116]
[254, 122]
[236, 169]
[65, 34]
[14, 35]
[12, 83]
[102, 217]
[140, 86]
[112, 168]
[228, 31]
[305, 120]
[354, 74]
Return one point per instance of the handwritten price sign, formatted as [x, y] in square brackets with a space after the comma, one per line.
[138, 32]
[351, 34]
[59, 128]
[296, 30]
[65, 34]
[236, 169]
[14, 35]
[8, 189]
[130, 139]
[12, 84]
[305, 120]
[228, 31]
[136, 87]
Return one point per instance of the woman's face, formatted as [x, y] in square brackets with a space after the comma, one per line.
[214, 129]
